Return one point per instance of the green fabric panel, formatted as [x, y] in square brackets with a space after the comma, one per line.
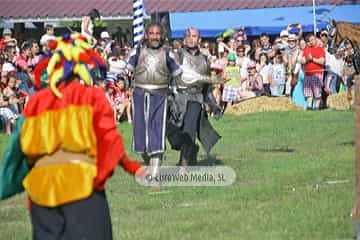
[14, 166]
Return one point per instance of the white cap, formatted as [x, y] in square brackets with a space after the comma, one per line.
[6, 31]
[292, 37]
[104, 35]
[8, 67]
[284, 33]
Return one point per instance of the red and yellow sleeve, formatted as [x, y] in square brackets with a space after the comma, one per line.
[110, 147]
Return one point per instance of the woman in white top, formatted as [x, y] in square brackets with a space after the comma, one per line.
[263, 67]
[87, 25]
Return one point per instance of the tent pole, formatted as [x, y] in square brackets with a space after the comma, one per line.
[314, 15]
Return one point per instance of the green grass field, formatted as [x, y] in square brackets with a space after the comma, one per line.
[295, 180]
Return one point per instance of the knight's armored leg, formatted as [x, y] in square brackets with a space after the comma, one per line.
[146, 158]
[155, 162]
[188, 154]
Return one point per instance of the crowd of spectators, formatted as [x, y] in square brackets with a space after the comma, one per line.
[250, 68]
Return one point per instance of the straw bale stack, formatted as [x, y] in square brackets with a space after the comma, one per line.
[338, 101]
[262, 104]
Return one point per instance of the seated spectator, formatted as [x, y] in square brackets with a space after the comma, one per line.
[7, 115]
[110, 93]
[4, 80]
[252, 86]
[24, 60]
[117, 63]
[36, 54]
[277, 76]
[10, 56]
[122, 101]
[10, 93]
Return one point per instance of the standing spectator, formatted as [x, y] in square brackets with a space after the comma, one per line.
[277, 76]
[176, 45]
[313, 60]
[255, 45]
[204, 49]
[284, 36]
[48, 36]
[302, 44]
[335, 65]
[290, 28]
[106, 42]
[232, 86]
[348, 72]
[242, 61]
[292, 61]
[87, 25]
[263, 67]
[265, 46]
[221, 46]
[232, 45]
[324, 38]
[7, 39]
[214, 56]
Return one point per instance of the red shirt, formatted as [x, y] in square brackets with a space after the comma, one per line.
[312, 68]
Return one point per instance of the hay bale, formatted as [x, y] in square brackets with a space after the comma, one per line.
[262, 104]
[338, 101]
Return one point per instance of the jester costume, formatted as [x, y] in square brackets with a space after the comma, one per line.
[65, 147]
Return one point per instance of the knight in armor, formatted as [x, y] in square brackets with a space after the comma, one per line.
[153, 66]
[188, 117]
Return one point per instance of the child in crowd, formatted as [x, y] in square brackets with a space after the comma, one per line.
[10, 93]
[253, 84]
[263, 67]
[232, 86]
[122, 101]
[277, 76]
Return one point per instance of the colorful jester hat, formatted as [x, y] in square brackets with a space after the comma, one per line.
[70, 54]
